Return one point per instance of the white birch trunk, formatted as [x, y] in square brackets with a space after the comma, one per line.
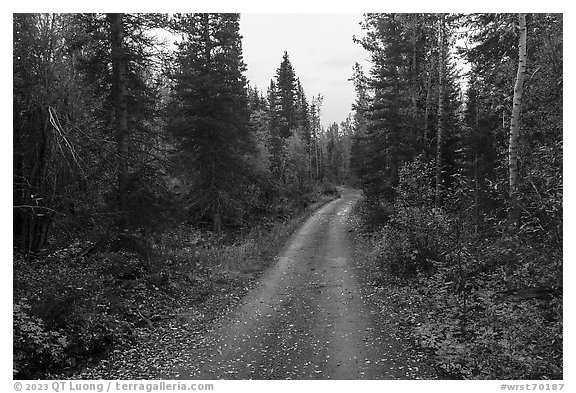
[514, 214]
[440, 128]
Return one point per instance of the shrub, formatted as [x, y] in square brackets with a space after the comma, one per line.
[34, 345]
[486, 302]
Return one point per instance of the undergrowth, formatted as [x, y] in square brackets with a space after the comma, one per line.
[75, 305]
[486, 305]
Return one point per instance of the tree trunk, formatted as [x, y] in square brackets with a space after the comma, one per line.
[427, 107]
[440, 130]
[414, 79]
[476, 196]
[119, 71]
[514, 213]
[216, 202]
[18, 191]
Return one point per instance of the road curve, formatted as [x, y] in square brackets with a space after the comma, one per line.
[306, 319]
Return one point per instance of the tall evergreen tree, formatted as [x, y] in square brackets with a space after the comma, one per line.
[387, 129]
[208, 113]
[117, 62]
[290, 115]
[360, 143]
[286, 98]
[303, 114]
[316, 131]
[260, 130]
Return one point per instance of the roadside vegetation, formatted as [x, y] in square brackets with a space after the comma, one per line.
[80, 304]
[464, 189]
[483, 307]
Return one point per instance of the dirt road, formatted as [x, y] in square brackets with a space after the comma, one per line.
[306, 318]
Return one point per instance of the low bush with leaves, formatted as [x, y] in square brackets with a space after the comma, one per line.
[34, 345]
[487, 305]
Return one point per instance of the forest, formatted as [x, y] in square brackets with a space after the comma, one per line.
[149, 176]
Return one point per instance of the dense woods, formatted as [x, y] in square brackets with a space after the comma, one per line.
[147, 174]
[463, 184]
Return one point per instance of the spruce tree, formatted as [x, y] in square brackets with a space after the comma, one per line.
[290, 115]
[387, 130]
[286, 97]
[208, 114]
[117, 63]
[303, 114]
[359, 141]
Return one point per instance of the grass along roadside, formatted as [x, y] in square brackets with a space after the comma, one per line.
[82, 312]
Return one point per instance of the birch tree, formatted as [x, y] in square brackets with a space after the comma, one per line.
[440, 128]
[515, 123]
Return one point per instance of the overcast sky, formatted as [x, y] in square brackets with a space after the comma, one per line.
[320, 48]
